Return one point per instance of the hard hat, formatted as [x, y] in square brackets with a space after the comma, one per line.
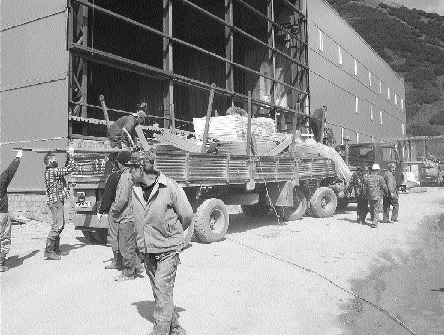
[375, 167]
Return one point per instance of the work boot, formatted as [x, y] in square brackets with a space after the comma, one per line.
[161, 328]
[374, 225]
[123, 277]
[57, 246]
[3, 267]
[49, 251]
[177, 330]
[116, 262]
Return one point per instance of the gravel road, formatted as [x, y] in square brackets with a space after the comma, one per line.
[264, 278]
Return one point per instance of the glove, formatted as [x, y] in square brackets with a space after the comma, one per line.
[99, 216]
[19, 154]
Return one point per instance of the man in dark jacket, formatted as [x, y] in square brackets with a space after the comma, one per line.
[375, 190]
[108, 197]
[358, 184]
[391, 198]
[317, 123]
[5, 218]
[57, 192]
[162, 212]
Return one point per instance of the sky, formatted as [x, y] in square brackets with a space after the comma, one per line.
[432, 6]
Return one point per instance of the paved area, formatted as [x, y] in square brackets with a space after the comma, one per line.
[263, 278]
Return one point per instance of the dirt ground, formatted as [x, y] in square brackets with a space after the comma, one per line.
[263, 278]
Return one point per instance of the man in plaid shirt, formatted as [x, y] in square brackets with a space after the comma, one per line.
[57, 192]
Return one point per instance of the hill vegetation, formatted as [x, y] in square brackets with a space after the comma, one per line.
[412, 42]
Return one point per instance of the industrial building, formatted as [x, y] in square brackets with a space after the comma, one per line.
[292, 55]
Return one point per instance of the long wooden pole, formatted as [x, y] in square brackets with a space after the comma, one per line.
[207, 121]
[249, 124]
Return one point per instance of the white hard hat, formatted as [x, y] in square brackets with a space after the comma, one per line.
[375, 167]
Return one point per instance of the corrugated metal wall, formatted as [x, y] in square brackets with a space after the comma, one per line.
[34, 84]
[337, 86]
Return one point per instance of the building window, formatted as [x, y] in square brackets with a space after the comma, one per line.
[371, 112]
[372, 139]
[339, 55]
[356, 67]
[356, 105]
[388, 93]
[380, 87]
[403, 128]
[357, 137]
[342, 135]
[396, 100]
[321, 40]
[402, 103]
[369, 79]
[380, 117]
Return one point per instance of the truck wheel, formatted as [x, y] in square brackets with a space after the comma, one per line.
[211, 221]
[297, 211]
[342, 204]
[323, 202]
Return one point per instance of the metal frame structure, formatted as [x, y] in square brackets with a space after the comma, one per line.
[295, 33]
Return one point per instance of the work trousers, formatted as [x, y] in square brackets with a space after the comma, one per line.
[58, 220]
[362, 208]
[113, 233]
[161, 269]
[127, 247]
[393, 202]
[375, 209]
[5, 232]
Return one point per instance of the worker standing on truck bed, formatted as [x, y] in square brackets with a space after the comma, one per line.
[358, 184]
[391, 198]
[317, 123]
[56, 192]
[108, 198]
[375, 190]
[123, 130]
[5, 217]
[162, 212]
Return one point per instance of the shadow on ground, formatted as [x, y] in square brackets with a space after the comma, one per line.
[15, 261]
[240, 223]
[146, 309]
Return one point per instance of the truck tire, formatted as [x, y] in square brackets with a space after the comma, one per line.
[323, 202]
[297, 211]
[211, 221]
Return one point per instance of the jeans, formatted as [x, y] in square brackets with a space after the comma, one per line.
[58, 220]
[375, 209]
[161, 269]
[113, 233]
[362, 208]
[387, 202]
[5, 232]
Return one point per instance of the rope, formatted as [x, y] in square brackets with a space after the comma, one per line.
[391, 316]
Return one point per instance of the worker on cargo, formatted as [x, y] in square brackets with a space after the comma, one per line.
[376, 188]
[57, 192]
[5, 217]
[108, 198]
[121, 215]
[357, 183]
[390, 199]
[317, 122]
[123, 130]
[162, 212]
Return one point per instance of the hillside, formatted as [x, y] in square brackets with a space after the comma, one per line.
[412, 42]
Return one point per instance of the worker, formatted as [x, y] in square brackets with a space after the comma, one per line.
[5, 217]
[162, 213]
[56, 192]
[108, 198]
[317, 123]
[121, 214]
[123, 130]
[390, 199]
[375, 189]
[358, 184]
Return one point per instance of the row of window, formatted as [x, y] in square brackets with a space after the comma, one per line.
[371, 112]
[340, 62]
[372, 139]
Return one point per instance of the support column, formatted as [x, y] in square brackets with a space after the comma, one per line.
[229, 75]
[271, 54]
[168, 97]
